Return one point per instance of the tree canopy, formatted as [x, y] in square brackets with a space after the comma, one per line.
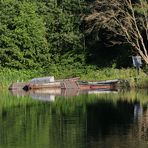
[120, 22]
[38, 33]
[22, 35]
[41, 33]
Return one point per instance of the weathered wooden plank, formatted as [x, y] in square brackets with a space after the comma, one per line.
[45, 85]
[17, 86]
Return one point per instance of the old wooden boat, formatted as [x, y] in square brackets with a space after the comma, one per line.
[110, 84]
[42, 83]
[71, 83]
[18, 85]
[50, 94]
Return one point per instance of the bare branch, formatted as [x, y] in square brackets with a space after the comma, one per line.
[119, 17]
[144, 5]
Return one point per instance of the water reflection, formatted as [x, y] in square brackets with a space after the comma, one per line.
[89, 121]
[142, 124]
[138, 111]
[50, 94]
[116, 126]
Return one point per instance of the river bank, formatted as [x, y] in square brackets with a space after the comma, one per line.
[9, 76]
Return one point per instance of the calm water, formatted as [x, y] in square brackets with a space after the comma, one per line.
[86, 121]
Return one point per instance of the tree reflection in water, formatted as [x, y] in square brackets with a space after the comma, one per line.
[83, 121]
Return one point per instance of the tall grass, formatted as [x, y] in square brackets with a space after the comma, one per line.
[8, 76]
[89, 73]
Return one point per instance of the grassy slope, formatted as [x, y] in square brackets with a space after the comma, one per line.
[8, 76]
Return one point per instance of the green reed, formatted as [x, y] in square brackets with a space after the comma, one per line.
[9, 76]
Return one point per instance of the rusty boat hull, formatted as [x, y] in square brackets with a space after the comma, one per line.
[89, 87]
[72, 83]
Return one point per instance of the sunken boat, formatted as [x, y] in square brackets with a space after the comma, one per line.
[71, 83]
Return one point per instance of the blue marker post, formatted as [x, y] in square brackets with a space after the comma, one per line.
[137, 63]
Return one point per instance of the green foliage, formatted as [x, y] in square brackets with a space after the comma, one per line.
[39, 33]
[63, 33]
[86, 73]
[22, 35]
[48, 35]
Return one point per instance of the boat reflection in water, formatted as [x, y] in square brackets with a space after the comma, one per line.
[50, 94]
